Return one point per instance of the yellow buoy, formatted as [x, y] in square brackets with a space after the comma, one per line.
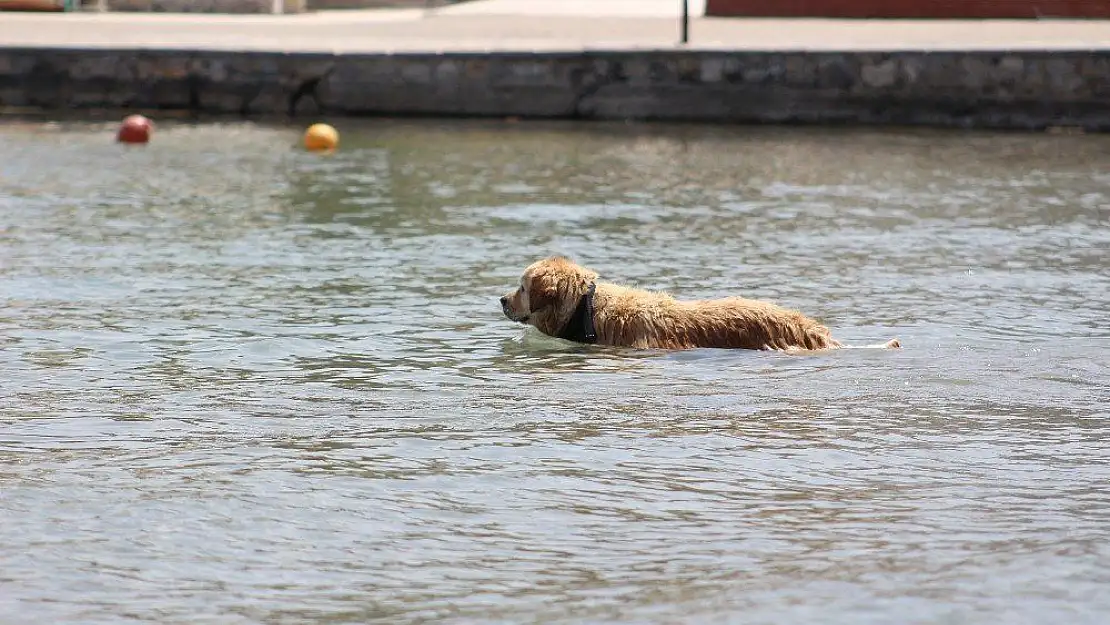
[321, 137]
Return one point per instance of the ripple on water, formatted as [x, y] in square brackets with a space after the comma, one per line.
[241, 383]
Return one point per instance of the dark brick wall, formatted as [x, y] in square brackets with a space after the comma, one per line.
[909, 8]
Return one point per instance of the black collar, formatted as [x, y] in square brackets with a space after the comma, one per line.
[580, 328]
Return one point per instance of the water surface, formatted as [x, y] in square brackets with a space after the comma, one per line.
[240, 383]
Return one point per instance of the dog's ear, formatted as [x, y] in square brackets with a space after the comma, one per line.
[540, 295]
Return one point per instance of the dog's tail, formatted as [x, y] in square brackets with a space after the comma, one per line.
[891, 344]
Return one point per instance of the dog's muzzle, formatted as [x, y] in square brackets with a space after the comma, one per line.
[508, 312]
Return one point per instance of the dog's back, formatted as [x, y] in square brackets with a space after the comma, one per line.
[636, 318]
[740, 323]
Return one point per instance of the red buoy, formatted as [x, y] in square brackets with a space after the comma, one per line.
[135, 129]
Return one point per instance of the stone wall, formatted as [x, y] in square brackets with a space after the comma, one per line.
[985, 89]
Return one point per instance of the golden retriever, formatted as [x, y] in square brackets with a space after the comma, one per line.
[565, 300]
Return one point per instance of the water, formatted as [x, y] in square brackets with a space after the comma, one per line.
[244, 384]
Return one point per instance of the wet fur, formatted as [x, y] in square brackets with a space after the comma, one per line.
[551, 288]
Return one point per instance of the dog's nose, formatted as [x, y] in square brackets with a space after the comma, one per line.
[504, 301]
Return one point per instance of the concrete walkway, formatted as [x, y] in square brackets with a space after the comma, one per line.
[532, 25]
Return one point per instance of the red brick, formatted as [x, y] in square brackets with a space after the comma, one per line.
[909, 8]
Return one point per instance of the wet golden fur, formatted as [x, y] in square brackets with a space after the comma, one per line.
[550, 290]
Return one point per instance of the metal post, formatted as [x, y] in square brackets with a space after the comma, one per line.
[685, 21]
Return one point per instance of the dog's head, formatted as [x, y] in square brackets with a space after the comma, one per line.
[548, 294]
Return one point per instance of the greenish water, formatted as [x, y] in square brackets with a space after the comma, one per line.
[244, 384]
